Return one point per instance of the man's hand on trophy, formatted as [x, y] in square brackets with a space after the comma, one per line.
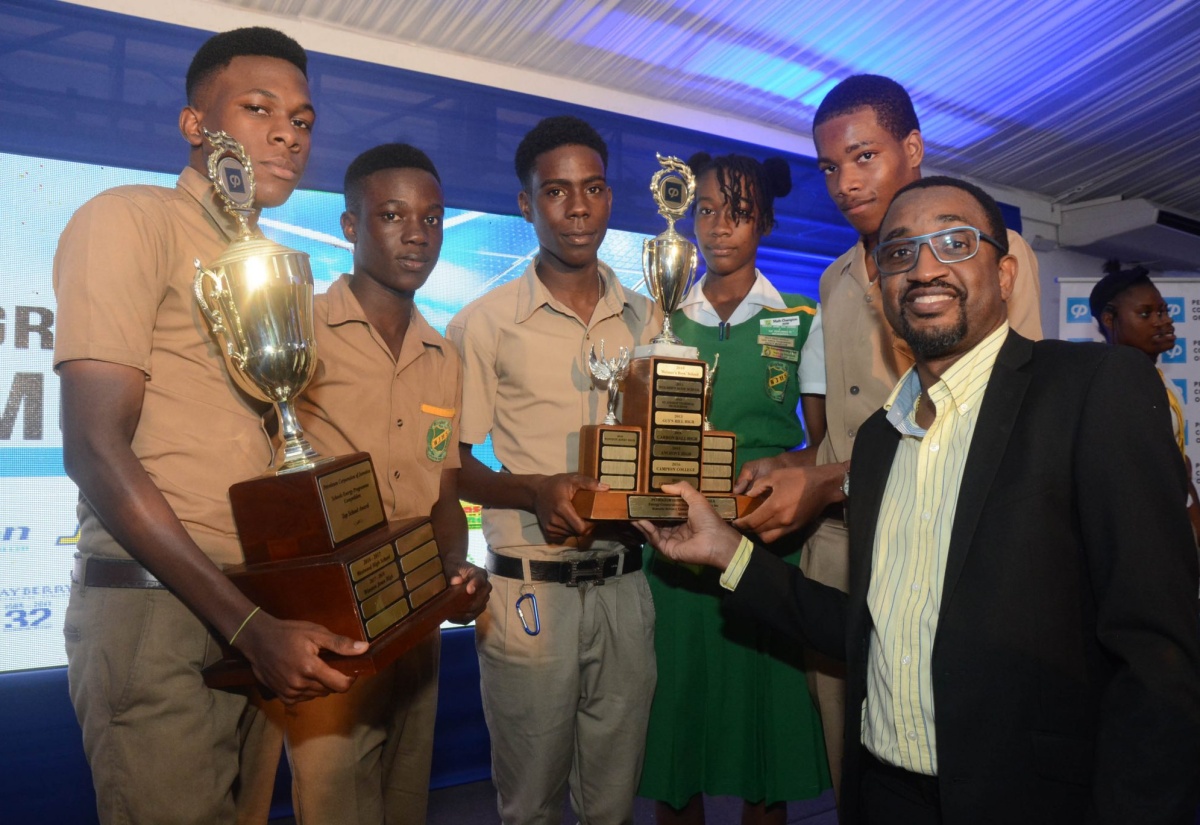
[796, 496]
[554, 509]
[476, 580]
[705, 538]
[284, 655]
[759, 468]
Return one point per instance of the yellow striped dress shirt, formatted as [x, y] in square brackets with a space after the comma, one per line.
[912, 541]
[1177, 417]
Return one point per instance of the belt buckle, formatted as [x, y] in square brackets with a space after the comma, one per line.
[581, 571]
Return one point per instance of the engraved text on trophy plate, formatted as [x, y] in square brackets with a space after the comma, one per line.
[619, 458]
[393, 580]
[351, 501]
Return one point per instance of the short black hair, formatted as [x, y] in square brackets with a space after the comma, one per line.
[742, 179]
[991, 209]
[385, 156]
[892, 106]
[551, 133]
[1115, 281]
[254, 41]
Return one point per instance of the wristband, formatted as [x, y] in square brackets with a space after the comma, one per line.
[242, 626]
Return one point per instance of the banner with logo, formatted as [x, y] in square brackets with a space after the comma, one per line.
[1180, 364]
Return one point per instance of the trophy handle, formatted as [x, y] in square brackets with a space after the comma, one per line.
[648, 258]
[213, 316]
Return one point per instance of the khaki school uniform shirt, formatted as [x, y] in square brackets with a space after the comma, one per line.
[404, 411]
[123, 280]
[864, 358]
[526, 383]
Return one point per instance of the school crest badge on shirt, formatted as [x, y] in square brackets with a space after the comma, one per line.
[437, 439]
[777, 380]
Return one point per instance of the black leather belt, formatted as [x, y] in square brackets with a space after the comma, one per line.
[925, 786]
[571, 573]
[100, 571]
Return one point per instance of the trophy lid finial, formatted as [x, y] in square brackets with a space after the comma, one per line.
[232, 175]
[673, 187]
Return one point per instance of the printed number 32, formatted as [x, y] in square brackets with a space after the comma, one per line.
[19, 619]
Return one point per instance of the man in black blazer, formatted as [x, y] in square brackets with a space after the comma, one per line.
[1020, 559]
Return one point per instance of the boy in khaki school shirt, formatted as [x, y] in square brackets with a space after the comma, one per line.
[566, 704]
[388, 384]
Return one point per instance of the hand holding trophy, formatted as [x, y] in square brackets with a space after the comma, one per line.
[317, 543]
[665, 435]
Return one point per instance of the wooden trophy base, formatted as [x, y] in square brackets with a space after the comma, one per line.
[614, 505]
[319, 548]
[307, 512]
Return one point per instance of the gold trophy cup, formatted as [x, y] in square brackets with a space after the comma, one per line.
[257, 297]
[317, 543]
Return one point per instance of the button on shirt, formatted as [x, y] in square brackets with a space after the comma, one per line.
[912, 540]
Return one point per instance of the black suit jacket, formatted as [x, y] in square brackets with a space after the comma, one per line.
[1066, 667]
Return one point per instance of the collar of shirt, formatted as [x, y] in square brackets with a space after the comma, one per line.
[532, 294]
[762, 295]
[961, 385]
[201, 188]
[344, 308]
[856, 267]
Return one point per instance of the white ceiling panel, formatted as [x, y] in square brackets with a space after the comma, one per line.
[1073, 100]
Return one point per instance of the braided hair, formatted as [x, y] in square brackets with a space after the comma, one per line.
[744, 182]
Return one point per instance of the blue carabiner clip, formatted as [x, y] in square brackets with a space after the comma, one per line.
[537, 622]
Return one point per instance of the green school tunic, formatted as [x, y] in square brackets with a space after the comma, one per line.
[732, 713]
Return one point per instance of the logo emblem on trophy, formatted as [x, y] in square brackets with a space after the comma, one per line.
[664, 435]
[317, 543]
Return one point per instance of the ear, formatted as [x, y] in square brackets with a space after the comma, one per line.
[1106, 323]
[914, 149]
[1008, 276]
[190, 128]
[350, 227]
[526, 205]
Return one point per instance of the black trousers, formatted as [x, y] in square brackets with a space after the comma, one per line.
[894, 796]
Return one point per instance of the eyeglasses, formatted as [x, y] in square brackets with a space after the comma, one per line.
[950, 246]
